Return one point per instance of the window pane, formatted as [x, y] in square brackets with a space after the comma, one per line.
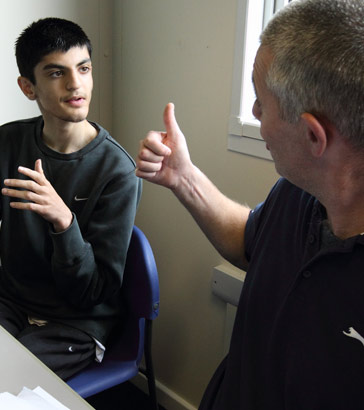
[271, 7]
[244, 129]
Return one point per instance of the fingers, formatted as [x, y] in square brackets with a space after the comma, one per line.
[21, 184]
[163, 156]
[153, 145]
[36, 178]
[29, 206]
[147, 175]
[17, 193]
[144, 167]
[38, 166]
[36, 175]
[152, 152]
[26, 189]
[38, 195]
[152, 148]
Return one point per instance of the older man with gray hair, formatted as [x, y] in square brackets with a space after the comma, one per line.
[298, 340]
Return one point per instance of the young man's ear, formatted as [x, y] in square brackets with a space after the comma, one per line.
[316, 134]
[27, 87]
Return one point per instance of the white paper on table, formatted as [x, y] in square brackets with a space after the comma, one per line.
[56, 404]
[10, 402]
[37, 399]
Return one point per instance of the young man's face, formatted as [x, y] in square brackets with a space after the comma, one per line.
[64, 84]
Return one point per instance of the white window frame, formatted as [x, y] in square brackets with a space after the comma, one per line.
[244, 130]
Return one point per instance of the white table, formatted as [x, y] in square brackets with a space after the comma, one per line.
[19, 368]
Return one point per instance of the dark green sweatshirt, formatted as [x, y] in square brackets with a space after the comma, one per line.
[72, 277]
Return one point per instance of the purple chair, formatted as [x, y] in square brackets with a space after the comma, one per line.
[140, 291]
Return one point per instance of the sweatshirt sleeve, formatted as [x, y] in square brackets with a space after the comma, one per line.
[88, 266]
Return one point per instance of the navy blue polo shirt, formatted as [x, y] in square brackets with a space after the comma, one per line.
[298, 339]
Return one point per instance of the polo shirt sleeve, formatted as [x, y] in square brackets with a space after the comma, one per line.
[257, 216]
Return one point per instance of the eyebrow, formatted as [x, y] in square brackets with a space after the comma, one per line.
[255, 88]
[62, 67]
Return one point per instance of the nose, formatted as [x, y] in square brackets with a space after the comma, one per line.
[73, 80]
[256, 110]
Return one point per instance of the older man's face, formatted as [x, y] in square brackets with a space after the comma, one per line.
[283, 140]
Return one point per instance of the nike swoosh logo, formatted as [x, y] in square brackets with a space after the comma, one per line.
[354, 334]
[76, 198]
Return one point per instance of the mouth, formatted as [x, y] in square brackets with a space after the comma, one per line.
[76, 101]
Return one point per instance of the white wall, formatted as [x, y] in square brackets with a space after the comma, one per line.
[94, 16]
[182, 51]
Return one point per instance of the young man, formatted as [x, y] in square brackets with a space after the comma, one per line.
[299, 329]
[67, 207]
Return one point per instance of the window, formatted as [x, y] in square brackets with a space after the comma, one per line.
[244, 135]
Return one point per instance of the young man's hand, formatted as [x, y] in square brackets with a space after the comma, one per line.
[40, 197]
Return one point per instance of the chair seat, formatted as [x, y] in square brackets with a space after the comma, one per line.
[109, 374]
[120, 363]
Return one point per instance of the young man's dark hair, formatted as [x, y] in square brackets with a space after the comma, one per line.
[44, 37]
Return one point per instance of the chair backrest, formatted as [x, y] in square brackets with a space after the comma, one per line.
[140, 283]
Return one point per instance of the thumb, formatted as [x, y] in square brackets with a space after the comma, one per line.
[170, 121]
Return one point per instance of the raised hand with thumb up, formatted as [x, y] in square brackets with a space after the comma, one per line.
[163, 156]
[164, 159]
